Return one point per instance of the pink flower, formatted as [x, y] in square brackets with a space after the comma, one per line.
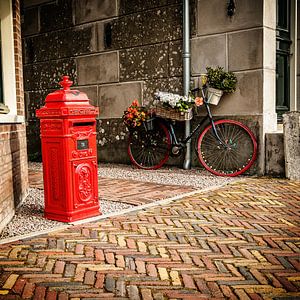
[198, 101]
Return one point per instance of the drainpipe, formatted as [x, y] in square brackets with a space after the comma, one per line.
[186, 75]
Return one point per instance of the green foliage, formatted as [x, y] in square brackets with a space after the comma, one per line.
[222, 80]
[183, 106]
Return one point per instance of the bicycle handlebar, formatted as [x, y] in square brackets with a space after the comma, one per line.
[198, 89]
[195, 90]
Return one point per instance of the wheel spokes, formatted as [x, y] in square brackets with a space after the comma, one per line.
[149, 149]
[231, 158]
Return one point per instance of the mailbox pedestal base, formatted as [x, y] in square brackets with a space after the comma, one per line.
[71, 188]
[73, 216]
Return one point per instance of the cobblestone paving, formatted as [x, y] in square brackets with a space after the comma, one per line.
[125, 191]
[238, 242]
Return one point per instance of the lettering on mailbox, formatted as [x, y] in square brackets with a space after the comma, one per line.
[82, 144]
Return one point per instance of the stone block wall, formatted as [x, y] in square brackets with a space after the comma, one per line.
[114, 50]
[291, 132]
[244, 44]
[275, 163]
[119, 50]
[13, 154]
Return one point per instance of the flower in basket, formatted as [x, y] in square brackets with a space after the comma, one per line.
[198, 101]
[175, 101]
[135, 115]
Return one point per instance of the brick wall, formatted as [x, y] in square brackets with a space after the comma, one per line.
[298, 53]
[18, 57]
[13, 153]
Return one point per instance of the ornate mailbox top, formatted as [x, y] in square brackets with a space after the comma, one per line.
[66, 94]
[66, 102]
[66, 83]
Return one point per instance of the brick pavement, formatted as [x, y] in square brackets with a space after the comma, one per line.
[125, 191]
[238, 242]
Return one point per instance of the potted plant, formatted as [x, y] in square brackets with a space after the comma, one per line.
[219, 82]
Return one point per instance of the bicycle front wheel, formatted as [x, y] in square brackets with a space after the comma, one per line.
[237, 153]
[149, 149]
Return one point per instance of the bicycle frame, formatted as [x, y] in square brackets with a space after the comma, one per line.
[151, 147]
[208, 116]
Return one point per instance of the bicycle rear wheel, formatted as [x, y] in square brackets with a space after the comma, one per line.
[234, 157]
[149, 149]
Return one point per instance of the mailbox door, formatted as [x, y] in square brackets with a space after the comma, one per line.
[85, 185]
[54, 175]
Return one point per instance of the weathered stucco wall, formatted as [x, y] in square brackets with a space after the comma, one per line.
[117, 51]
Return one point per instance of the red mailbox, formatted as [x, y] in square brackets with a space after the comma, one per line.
[69, 151]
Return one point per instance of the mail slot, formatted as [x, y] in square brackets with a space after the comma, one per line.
[84, 124]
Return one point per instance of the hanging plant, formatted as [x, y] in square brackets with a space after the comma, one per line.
[219, 79]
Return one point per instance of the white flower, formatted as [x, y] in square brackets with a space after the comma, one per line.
[170, 98]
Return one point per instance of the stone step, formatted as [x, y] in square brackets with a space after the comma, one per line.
[275, 164]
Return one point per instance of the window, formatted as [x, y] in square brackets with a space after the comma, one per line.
[283, 52]
[8, 102]
[1, 84]
[3, 107]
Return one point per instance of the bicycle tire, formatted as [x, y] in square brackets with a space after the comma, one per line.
[229, 161]
[149, 149]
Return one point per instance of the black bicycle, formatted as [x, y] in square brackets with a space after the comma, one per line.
[225, 147]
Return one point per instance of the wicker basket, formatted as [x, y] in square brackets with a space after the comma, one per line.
[171, 113]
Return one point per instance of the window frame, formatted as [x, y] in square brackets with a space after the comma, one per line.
[9, 105]
[283, 53]
[1, 83]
